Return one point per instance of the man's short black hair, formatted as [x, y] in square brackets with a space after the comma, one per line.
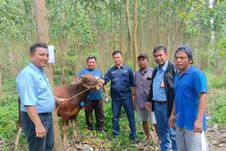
[116, 52]
[159, 47]
[91, 57]
[37, 45]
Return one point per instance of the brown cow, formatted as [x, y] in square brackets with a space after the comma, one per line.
[74, 93]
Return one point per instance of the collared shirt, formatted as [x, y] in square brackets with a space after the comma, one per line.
[142, 82]
[159, 93]
[122, 80]
[93, 95]
[188, 87]
[34, 89]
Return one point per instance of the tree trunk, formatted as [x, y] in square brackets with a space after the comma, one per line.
[1, 93]
[129, 30]
[135, 24]
[43, 36]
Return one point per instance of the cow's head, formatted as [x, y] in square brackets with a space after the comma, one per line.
[91, 82]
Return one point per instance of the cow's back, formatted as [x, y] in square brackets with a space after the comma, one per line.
[64, 91]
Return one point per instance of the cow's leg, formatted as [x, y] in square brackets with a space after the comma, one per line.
[75, 132]
[19, 129]
[65, 128]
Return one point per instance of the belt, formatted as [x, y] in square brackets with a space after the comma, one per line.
[160, 102]
[46, 113]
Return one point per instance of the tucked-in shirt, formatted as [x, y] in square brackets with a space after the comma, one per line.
[188, 88]
[159, 93]
[93, 95]
[142, 83]
[34, 89]
[122, 80]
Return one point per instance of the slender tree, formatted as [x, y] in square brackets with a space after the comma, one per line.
[43, 36]
[135, 26]
[129, 49]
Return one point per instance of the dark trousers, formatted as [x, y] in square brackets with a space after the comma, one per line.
[128, 107]
[97, 106]
[45, 143]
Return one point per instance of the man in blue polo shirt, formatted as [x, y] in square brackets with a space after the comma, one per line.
[94, 99]
[190, 102]
[122, 80]
[37, 100]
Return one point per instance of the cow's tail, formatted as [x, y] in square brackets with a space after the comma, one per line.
[18, 127]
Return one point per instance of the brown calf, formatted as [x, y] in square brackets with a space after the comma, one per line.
[74, 93]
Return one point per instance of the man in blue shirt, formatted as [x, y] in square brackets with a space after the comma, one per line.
[94, 99]
[122, 80]
[161, 97]
[190, 102]
[37, 100]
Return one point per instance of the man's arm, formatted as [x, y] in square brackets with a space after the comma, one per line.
[33, 114]
[202, 108]
[172, 118]
[106, 92]
[107, 77]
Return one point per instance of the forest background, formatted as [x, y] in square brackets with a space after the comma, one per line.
[80, 28]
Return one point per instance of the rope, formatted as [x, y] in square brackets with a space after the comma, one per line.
[72, 98]
[77, 94]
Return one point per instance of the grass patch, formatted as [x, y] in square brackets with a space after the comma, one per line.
[216, 81]
[217, 99]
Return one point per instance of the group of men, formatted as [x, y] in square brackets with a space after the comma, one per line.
[173, 97]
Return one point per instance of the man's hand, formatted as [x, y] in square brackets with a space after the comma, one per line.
[198, 126]
[40, 130]
[134, 102]
[147, 105]
[172, 120]
[101, 81]
[106, 98]
[60, 100]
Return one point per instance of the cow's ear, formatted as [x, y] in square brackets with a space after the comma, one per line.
[76, 80]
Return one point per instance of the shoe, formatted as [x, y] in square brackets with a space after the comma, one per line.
[102, 131]
[89, 128]
[134, 141]
[115, 136]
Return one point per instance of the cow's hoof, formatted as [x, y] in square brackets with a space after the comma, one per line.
[66, 145]
[76, 139]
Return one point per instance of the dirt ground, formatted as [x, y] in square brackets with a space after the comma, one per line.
[216, 141]
[216, 138]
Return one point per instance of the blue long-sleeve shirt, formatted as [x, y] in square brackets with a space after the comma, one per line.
[122, 79]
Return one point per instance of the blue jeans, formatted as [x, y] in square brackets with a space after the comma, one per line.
[128, 107]
[166, 134]
[187, 140]
[35, 143]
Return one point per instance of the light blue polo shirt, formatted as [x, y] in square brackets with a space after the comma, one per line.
[34, 89]
[93, 95]
[159, 93]
[188, 87]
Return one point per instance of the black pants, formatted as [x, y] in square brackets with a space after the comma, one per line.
[97, 106]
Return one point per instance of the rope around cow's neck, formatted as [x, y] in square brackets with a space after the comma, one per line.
[77, 94]
[73, 97]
